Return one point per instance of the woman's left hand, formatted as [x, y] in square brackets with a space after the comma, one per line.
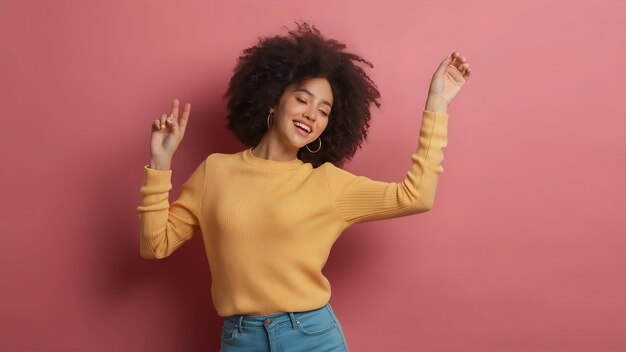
[449, 78]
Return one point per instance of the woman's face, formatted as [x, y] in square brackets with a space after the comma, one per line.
[302, 112]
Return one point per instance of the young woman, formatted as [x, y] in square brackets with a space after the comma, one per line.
[270, 214]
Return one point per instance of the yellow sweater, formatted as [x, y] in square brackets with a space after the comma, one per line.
[268, 226]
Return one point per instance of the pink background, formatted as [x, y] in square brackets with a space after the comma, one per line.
[523, 251]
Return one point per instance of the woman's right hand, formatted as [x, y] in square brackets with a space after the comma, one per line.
[167, 133]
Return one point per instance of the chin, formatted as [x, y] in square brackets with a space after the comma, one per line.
[304, 144]
[300, 142]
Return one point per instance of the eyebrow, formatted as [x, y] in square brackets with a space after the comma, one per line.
[311, 94]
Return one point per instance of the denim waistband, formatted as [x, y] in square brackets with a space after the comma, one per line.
[261, 320]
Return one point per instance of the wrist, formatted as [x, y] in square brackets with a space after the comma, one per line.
[436, 104]
[163, 164]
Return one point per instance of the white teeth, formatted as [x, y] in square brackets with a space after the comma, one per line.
[307, 128]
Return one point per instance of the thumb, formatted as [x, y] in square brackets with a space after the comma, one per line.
[445, 63]
[172, 121]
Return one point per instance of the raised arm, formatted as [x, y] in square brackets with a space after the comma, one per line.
[360, 199]
[163, 227]
[166, 227]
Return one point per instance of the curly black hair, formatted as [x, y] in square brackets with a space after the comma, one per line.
[265, 70]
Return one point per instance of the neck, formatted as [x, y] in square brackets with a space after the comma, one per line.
[271, 148]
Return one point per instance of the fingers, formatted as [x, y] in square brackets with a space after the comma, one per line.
[185, 117]
[163, 122]
[457, 59]
[175, 108]
[465, 69]
[460, 64]
[171, 120]
[456, 74]
[447, 61]
[172, 123]
[159, 124]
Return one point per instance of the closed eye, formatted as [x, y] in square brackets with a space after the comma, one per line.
[304, 102]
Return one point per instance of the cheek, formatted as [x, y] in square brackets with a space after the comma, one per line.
[322, 126]
[293, 108]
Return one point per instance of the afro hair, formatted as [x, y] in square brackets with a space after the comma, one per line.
[264, 71]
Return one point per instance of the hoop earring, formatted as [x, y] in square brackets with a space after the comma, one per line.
[269, 120]
[318, 148]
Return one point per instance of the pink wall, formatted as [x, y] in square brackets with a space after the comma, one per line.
[524, 250]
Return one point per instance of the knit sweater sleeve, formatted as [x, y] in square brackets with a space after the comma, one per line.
[359, 199]
[166, 227]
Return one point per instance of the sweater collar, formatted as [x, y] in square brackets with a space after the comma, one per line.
[252, 159]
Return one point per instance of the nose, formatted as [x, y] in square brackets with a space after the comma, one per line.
[309, 115]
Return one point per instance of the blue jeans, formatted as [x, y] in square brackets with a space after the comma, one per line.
[310, 331]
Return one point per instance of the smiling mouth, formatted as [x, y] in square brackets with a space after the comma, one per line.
[302, 127]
